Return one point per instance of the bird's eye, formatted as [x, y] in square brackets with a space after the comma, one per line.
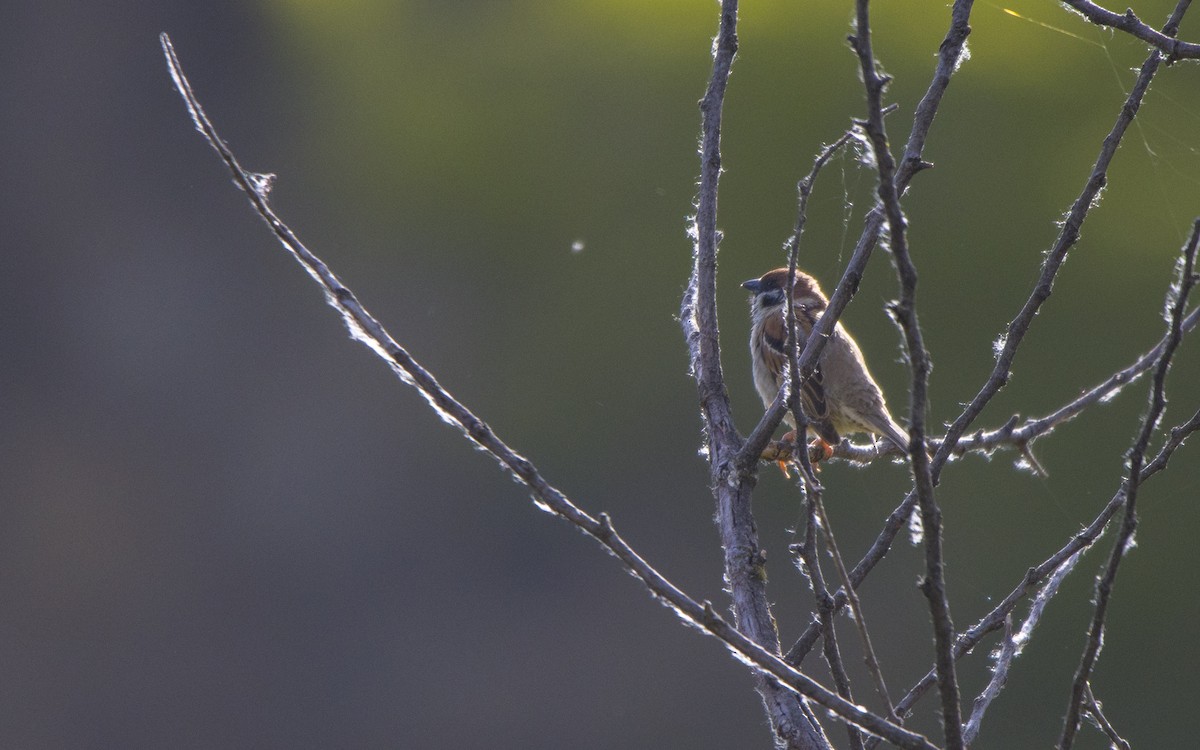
[771, 298]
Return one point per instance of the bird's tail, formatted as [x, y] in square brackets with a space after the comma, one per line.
[896, 434]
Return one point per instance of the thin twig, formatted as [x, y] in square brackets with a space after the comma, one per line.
[1177, 302]
[804, 188]
[809, 482]
[1004, 657]
[809, 562]
[1096, 713]
[1012, 645]
[856, 612]
[368, 330]
[810, 487]
[892, 525]
[1103, 392]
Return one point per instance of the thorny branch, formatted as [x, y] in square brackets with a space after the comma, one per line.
[368, 330]
[1177, 302]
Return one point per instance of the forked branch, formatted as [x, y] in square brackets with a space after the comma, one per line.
[1176, 303]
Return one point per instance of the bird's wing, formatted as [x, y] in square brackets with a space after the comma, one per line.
[812, 390]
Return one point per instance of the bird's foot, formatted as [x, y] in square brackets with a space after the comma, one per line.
[818, 451]
[788, 440]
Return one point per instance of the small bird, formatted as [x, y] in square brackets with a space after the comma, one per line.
[841, 397]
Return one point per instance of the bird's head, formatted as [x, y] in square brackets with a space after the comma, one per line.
[770, 291]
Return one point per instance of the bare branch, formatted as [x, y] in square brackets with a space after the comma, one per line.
[1012, 645]
[950, 56]
[367, 329]
[1164, 41]
[1177, 302]
[744, 574]
[1004, 657]
[905, 312]
[1034, 428]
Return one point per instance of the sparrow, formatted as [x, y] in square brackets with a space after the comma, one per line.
[840, 397]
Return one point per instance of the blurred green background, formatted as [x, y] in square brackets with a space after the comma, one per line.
[224, 524]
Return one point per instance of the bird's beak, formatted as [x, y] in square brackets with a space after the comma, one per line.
[754, 285]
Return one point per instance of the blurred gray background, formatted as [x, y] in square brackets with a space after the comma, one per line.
[224, 524]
